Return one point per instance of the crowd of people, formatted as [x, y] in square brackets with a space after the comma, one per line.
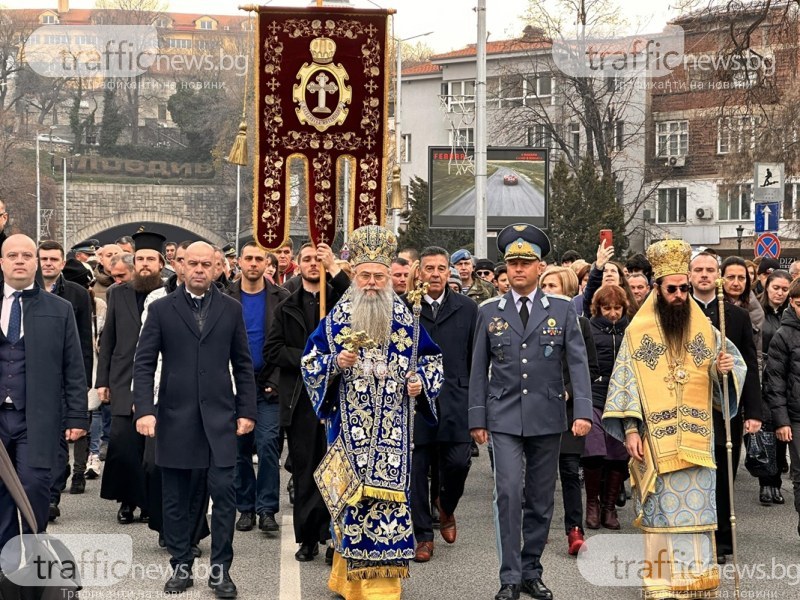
[187, 368]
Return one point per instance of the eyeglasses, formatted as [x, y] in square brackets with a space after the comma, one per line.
[378, 277]
[481, 273]
[671, 289]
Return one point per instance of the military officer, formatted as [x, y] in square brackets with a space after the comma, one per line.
[523, 336]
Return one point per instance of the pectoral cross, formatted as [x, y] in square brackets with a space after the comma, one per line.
[322, 87]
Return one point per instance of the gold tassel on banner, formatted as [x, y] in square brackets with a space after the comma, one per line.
[397, 190]
[238, 154]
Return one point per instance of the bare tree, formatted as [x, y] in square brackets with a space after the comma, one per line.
[575, 115]
[15, 28]
[132, 12]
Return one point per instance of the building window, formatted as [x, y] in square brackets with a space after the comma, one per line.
[162, 22]
[791, 191]
[179, 43]
[619, 191]
[540, 136]
[672, 138]
[735, 134]
[459, 96]
[162, 112]
[575, 138]
[671, 205]
[212, 45]
[405, 147]
[615, 131]
[206, 24]
[734, 202]
[462, 137]
[49, 20]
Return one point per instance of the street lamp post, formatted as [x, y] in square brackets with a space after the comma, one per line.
[39, 184]
[739, 232]
[398, 136]
[64, 201]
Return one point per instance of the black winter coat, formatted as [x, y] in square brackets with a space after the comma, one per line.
[453, 330]
[286, 341]
[607, 338]
[782, 376]
[569, 443]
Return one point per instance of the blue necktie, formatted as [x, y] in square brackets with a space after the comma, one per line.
[15, 320]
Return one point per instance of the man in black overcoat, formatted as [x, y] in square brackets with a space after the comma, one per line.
[201, 336]
[449, 319]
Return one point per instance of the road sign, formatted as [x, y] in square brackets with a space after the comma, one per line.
[768, 245]
[767, 216]
[768, 182]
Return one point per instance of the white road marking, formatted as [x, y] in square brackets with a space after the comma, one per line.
[290, 569]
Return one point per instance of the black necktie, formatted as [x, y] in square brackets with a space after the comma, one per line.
[435, 308]
[15, 319]
[197, 303]
[523, 310]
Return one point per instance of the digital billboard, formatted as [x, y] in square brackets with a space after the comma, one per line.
[516, 187]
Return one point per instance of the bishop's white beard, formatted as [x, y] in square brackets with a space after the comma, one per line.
[372, 313]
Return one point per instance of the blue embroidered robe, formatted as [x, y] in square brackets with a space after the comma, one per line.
[370, 421]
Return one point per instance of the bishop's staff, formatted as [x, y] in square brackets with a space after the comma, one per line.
[726, 413]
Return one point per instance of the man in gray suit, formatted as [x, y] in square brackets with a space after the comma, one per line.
[523, 336]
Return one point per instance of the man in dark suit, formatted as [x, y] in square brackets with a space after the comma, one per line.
[199, 332]
[52, 262]
[449, 319]
[124, 476]
[524, 336]
[258, 495]
[703, 275]
[37, 402]
[295, 319]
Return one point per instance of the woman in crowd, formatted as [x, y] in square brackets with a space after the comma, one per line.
[737, 285]
[605, 459]
[562, 281]
[272, 267]
[605, 272]
[774, 301]
[782, 384]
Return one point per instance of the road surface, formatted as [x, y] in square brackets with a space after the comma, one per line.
[523, 199]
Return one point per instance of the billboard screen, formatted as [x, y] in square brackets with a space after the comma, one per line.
[516, 187]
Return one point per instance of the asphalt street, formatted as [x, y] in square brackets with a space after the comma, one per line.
[502, 200]
[264, 566]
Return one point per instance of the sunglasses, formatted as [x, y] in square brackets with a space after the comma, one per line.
[671, 289]
[483, 272]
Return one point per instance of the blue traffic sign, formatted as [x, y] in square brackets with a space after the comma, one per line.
[768, 245]
[767, 216]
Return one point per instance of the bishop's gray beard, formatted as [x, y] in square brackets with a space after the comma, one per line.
[372, 313]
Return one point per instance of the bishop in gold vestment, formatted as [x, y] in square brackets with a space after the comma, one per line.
[665, 383]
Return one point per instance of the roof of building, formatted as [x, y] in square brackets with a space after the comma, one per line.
[498, 47]
[180, 21]
[426, 68]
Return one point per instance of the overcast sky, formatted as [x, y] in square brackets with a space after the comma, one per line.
[453, 22]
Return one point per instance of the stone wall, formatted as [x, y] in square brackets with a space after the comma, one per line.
[208, 210]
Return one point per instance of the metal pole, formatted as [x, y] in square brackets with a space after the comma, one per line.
[64, 222]
[481, 221]
[238, 204]
[38, 195]
[398, 135]
[726, 414]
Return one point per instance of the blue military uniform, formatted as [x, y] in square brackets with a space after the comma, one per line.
[523, 406]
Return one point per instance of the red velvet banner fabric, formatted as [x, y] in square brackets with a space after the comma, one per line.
[321, 94]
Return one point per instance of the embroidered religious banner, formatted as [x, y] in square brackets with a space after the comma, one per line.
[321, 110]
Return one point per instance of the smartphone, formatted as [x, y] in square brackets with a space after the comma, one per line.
[607, 236]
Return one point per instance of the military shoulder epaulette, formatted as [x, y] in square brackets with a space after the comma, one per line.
[490, 300]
